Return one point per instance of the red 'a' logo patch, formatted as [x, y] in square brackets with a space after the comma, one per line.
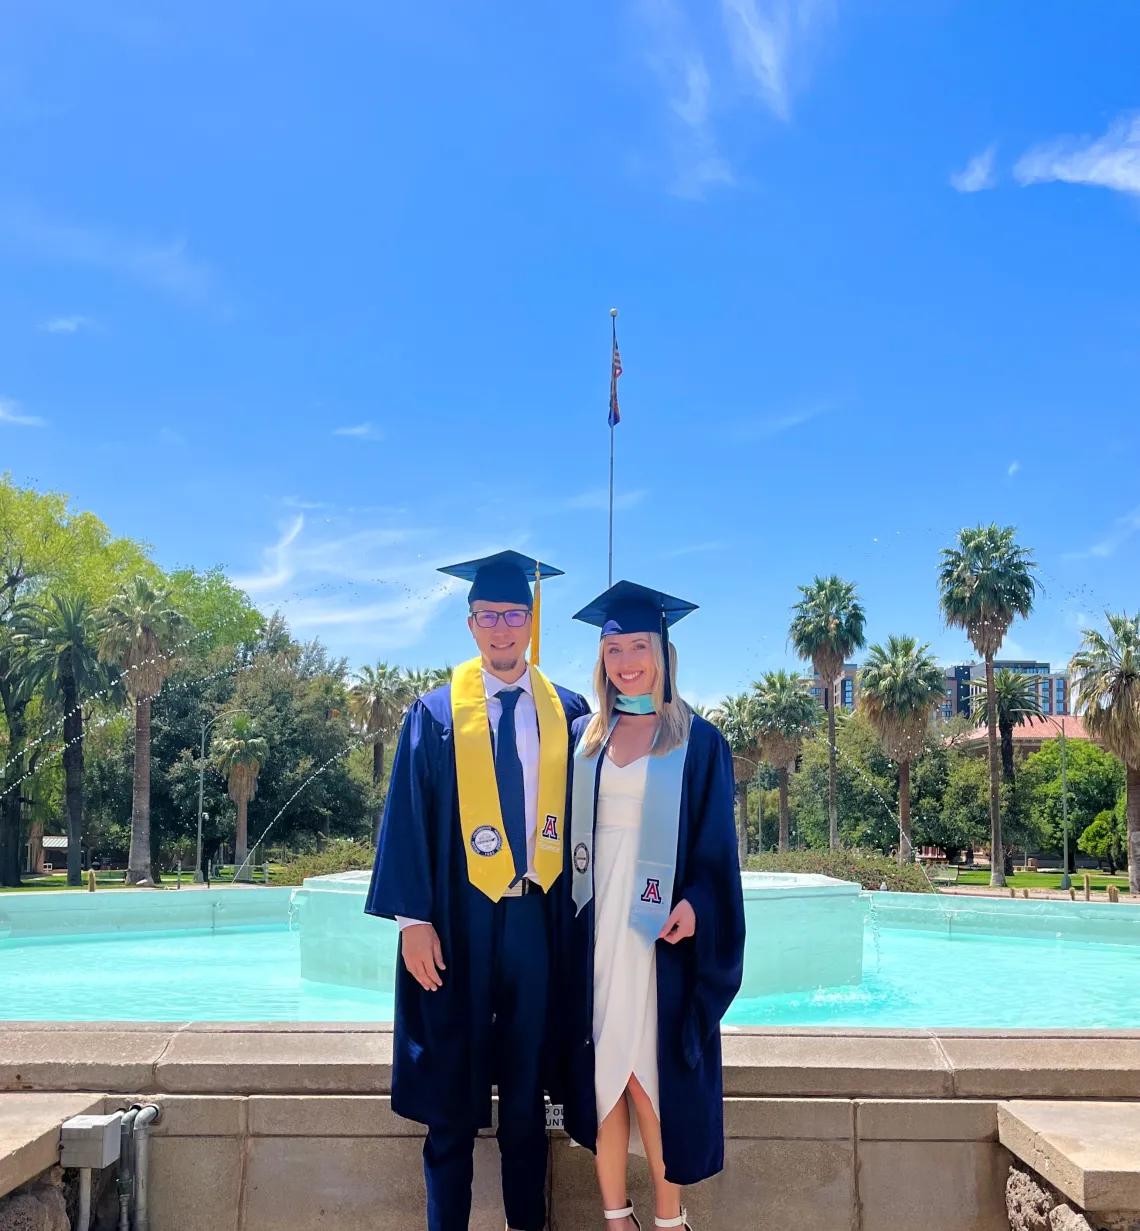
[550, 829]
[652, 891]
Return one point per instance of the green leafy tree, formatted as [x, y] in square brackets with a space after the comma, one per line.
[219, 613]
[141, 631]
[899, 686]
[63, 664]
[986, 581]
[1106, 677]
[1104, 839]
[866, 786]
[1096, 780]
[1016, 697]
[961, 820]
[238, 756]
[735, 717]
[827, 628]
[377, 702]
[45, 544]
[785, 714]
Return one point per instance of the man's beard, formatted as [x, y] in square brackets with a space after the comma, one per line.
[505, 664]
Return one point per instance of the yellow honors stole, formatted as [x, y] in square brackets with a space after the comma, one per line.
[490, 866]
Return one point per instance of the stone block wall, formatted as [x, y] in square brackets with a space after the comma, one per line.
[303, 1162]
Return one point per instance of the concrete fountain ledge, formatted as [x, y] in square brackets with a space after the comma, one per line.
[328, 1059]
[290, 1127]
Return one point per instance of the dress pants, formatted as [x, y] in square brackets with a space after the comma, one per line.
[520, 979]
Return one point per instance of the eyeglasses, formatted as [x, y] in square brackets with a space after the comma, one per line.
[488, 619]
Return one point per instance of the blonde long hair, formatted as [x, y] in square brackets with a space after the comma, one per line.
[673, 719]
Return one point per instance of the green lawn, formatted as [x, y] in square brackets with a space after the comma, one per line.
[57, 881]
[1046, 880]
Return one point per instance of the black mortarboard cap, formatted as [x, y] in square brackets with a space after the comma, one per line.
[502, 578]
[629, 608]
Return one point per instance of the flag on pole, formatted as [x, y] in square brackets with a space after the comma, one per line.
[615, 372]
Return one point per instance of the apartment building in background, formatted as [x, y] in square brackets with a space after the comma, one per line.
[845, 693]
[1052, 687]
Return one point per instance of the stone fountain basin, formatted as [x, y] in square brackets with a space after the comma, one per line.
[804, 931]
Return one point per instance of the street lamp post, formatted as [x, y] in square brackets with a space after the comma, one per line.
[198, 874]
[1066, 880]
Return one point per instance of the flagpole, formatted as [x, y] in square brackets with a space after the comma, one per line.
[610, 574]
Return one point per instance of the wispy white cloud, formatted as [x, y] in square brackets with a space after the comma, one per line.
[360, 431]
[364, 581]
[695, 549]
[682, 70]
[757, 51]
[1122, 530]
[766, 38]
[978, 174]
[599, 500]
[278, 569]
[772, 425]
[10, 413]
[1111, 161]
[1013, 468]
[169, 436]
[68, 324]
[165, 266]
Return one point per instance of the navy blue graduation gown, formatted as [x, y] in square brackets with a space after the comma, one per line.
[697, 978]
[441, 1068]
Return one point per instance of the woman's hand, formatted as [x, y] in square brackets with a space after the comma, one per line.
[680, 925]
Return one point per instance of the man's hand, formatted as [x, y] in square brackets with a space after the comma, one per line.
[422, 955]
[681, 924]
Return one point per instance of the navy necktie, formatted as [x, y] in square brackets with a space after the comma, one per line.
[509, 775]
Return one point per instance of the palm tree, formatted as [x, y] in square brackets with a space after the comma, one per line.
[1017, 702]
[63, 661]
[377, 702]
[736, 719]
[827, 628]
[899, 686]
[140, 630]
[1106, 675]
[786, 713]
[239, 756]
[420, 681]
[440, 675]
[986, 582]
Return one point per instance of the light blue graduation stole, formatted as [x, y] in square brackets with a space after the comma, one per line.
[657, 848]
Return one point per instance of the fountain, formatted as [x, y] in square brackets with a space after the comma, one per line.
[806, 930]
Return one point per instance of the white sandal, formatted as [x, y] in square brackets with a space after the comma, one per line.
[614, 1215]
[682, 1222]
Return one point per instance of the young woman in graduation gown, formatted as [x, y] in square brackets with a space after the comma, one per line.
[655, 946]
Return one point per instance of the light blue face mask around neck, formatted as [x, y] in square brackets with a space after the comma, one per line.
[634, 705]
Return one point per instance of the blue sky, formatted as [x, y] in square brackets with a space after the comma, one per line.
[319, 292]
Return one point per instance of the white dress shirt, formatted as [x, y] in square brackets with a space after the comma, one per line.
[526, 741]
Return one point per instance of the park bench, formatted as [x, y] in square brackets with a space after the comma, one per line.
[944, 874]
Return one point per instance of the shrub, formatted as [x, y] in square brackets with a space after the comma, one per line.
[869, 868]
[339, 855]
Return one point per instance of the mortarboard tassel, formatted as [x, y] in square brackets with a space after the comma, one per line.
[665, 652]
[535, 631]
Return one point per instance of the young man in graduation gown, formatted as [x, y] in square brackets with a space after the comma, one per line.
[470, 849]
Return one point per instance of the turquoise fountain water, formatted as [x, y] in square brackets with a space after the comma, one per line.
[814, 958]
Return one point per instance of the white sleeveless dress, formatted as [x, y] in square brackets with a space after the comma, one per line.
[625, 966]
